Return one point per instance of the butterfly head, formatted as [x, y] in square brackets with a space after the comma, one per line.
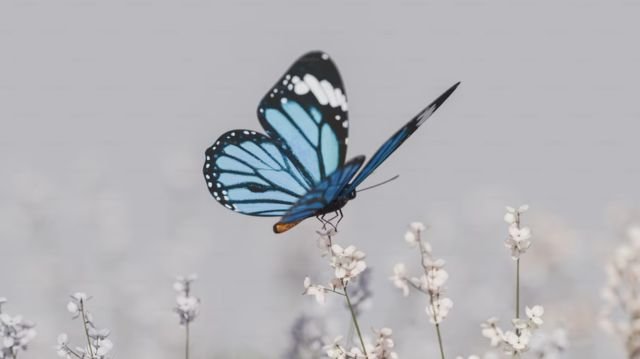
[351, 195]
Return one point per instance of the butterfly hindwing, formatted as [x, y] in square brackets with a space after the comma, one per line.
[321, 195]
[247, 172]
[398, 138]
[305, 112]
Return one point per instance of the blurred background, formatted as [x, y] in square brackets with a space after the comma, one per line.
[107, 107]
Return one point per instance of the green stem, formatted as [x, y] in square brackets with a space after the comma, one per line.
[355, 322]
[518, 288]
[86, 328]
[440, 341]
[186, 344]
[435, 315]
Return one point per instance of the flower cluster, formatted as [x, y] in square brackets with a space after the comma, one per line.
[516, 341]
[381, 349]
[187, 305]
[431, 282]
[621, 311]
[519, 237]
[15, 333]
[98, 343]
[347, 263]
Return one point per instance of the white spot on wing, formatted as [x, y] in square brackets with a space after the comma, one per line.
[316, 89]
[328, 90]
[425, 115]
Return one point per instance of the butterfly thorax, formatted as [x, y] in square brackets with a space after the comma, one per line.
[337, 203]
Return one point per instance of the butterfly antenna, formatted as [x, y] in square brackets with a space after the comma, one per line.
[379, 184]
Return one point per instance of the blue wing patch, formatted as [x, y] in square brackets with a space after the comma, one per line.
[397, 139]
[320, 196]
[306, 113]
[247, 172]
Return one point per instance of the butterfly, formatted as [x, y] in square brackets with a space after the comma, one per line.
[297, 169]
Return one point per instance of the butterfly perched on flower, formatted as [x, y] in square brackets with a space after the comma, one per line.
[297, 169]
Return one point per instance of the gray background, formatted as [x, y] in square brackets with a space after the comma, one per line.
[106, 108]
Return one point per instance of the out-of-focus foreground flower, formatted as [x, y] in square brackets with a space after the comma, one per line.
[621, 311]
[15, 333]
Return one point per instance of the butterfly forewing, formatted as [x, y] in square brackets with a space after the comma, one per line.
[248, 172]
[398, 138]
[305, 113]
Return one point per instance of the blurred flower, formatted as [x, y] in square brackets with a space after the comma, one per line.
[621, 310]
[399, 278]
[15, 333]
[439, 309]
[187, 306]
[335, 350]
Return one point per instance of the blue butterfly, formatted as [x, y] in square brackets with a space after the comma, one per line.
[298, 169]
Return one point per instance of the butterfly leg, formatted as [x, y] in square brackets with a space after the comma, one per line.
[323, 221]
[330, 221]
[341, 217]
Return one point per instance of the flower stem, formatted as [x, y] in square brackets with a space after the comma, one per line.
[437, 325]
[355, 322]
[440, 341]
[186, 344]
[86, 328]
[518, 288]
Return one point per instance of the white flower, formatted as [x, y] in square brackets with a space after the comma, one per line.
[517, 341]
[104, 346]
[518, 241]
[73, 308]
[399, 278]
[491, 330]
[519, 234]
[439, 310]
[15, 334]
[510, 218]
[384, 344]
[187, 305]
[317, 291]
[412, 237]
[347, 262]
[80, 297]
[417, 227]
[535, 315]
[435, 279]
